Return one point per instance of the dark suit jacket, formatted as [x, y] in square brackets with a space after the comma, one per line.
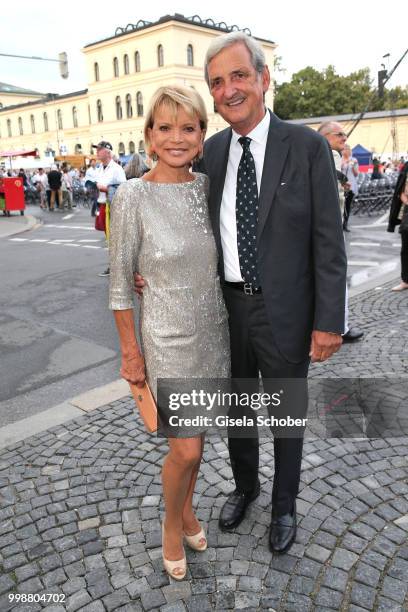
[301, 253]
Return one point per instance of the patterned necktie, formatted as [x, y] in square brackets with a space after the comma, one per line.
[247, 214]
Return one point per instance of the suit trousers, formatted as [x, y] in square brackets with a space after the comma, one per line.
[254, 351]
[404, 256]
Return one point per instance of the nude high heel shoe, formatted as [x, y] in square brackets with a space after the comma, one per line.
[198, 541]
[175, 569]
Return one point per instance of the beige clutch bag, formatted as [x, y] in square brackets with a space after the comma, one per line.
[146, 405]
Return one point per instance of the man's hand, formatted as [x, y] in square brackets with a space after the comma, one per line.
[133, 370]
[139, 284]
[323, 345]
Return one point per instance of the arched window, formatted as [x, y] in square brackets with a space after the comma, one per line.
[32, 121]
[126, 64]
[59, 118]
[74, 116]
[137, 61]
[45, 120]
[118, 105]
[190, 55]
[121, 148]
[9, 127]
[115, 67]
[141, 146]
[131, 147]
[139, 104]
[160, 56]
[96, 71]
[99, 112]
[129, 110]
[20, 126]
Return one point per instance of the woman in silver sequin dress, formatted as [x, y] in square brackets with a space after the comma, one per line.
[160, 228]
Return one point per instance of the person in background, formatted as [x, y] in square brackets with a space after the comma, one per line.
[109, 176]
[23, 176]
[40, 181]
[55, 183]
[135, 167]
[399, 216]
[90, 184]
[350, 169]
[377, 170]
[66, 188]
[333, 132]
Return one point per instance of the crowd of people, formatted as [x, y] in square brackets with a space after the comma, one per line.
[55, 187]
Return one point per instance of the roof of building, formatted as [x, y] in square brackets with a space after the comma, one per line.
[49, 97]
[400, 112]
[196, 20]
[6, 88]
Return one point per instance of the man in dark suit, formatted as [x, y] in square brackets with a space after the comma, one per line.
[276, 219]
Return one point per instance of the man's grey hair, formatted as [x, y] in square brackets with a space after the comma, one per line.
[226, 40]
[326, 127]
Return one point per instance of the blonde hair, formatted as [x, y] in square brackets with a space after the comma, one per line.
[173, 97]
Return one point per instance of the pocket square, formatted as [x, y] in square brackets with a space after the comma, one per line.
[283, 184]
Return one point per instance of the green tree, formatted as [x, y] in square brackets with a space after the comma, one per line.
[313, 93]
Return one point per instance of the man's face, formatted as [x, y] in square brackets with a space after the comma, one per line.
[238, 90]
[336, 137]
[104, 155]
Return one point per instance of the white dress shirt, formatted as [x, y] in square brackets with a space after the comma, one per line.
[112, 174]
[228, 223]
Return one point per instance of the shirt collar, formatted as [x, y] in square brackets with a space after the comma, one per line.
[260, 132]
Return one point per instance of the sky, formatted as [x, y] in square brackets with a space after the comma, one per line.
[355, 35]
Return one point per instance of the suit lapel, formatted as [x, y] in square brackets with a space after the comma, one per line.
[277, 147]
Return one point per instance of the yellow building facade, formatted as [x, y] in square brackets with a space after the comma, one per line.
[384, 133]
[122, 72]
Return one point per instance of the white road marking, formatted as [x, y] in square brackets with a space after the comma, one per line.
[381, 220]
[361, 262]
[89, 246]
[372, 225]
[18, 239]
[80, 227]
[67, 217]
[365, 244]
[396, 244]
[89, 240]
[39, 240]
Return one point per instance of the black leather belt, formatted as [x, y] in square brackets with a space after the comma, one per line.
[247, 288]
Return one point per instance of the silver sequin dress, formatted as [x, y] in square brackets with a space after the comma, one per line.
[163, 231]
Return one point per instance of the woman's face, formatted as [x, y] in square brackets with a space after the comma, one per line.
[176, 139]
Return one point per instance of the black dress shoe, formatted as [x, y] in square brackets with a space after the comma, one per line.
[353, 334]
[282, 533]
[233, 511]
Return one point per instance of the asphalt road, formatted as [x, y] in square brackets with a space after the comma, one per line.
[57, 336]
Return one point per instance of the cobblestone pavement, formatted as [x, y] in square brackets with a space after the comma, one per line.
[81, 504]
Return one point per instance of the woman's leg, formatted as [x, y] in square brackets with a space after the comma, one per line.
[191, 525]
[183, 457]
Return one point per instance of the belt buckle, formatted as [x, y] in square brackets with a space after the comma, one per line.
[248, 289]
